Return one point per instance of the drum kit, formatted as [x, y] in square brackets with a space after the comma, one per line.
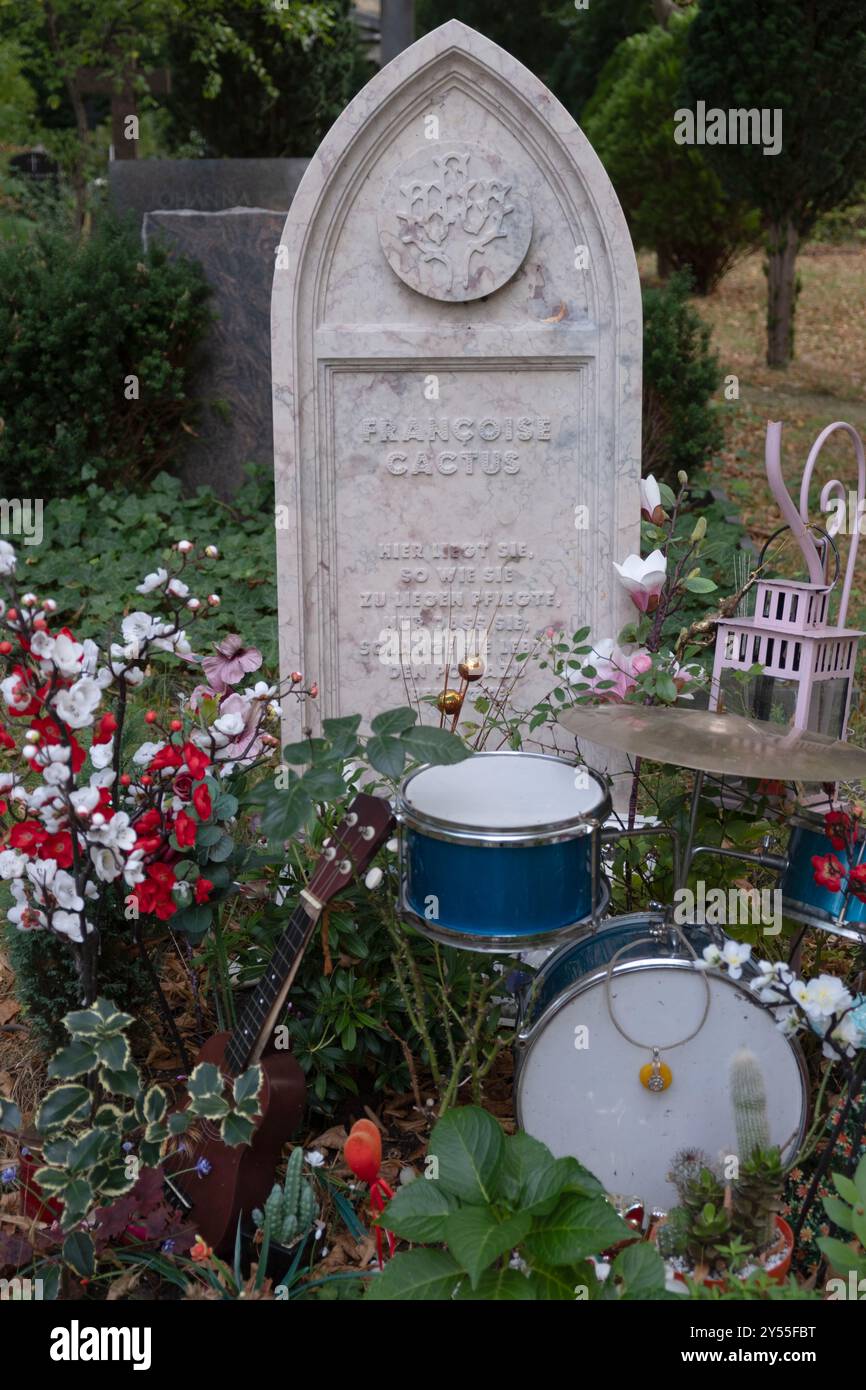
[623, 1041]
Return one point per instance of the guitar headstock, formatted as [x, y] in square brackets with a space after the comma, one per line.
[346, 854]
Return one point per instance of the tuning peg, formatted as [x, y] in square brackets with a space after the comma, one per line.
[330, 853]
[367, 832]
[345, 866]
[352, 819]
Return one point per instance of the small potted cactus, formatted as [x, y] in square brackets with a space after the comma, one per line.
[721, 1228]
[289, 1212]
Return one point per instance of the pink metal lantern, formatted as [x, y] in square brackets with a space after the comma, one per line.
[808, 662]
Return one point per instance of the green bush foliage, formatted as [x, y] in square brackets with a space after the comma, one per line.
[77, 319]
[681, 428]
[673, 199]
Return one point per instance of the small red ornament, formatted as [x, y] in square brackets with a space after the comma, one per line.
[125, 779]
[363, 1153]
[150, 717]
[176, 725]
[5, 648]
[146, 780]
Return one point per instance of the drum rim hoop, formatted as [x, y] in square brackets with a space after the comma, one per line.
[505, 945]
[458, 832]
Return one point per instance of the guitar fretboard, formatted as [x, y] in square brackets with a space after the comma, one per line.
[267, 991]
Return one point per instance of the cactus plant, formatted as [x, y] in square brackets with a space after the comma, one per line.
[673, 1233]
[686, 1168]
[757, 1197]
[290, 1210]
[749, 1101]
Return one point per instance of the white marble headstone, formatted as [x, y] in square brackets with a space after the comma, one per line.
[456, 333]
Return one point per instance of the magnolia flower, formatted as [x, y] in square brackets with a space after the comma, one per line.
[7, 558]
[651, 500]
[76, 706]
[231, 662]
[154, 580]
[610, 662]
[643, 579]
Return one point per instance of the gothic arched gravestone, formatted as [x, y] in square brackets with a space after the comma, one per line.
[456, 361]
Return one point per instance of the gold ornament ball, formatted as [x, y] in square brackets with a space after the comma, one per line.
[472, 669]
[449, 702]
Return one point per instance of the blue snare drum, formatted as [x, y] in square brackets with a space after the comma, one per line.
[502, 851]
[805, 900]
[578, 1084]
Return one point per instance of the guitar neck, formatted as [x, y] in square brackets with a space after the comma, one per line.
[263, 1008]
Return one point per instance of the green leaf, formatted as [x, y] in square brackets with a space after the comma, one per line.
[114, 1052]
[155, 1104]
[179, 1123]
[577, 1227]
[418, 1211]
[10, 1115]
[121, 1083]
[839, 1213]
[78, 1253]
[78, 1198]
[498, 1285]
[62, 1106]
[563, 1284]
[72, 1061]
[428, 744]
[476, 1236]
[222, 849]
[700, 585]
[208, 835]
[424, 1276]
[848, 1189]
[393, 721]
[842, 1257]
[298, 753]
[531, 1178]
[346, 724]
[387, 755]
[248, 1085]
[642, 1270]
[237, 1129]
[469, 1146]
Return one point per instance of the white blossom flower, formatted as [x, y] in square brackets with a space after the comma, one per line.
[7, 558]
[101, 754]
[84, 800]
[105, 862]
[14, 691]
[178, 588]
[133, 869]
[826, 995]
[146, 752]
[56, 774]
[154, 580]
[712, 957]
[12, 864]
[315, 1158]
[67, 655]
[643, 579]
[69, 923]
[76, 706]
[735, 954]
[64, 890]
[651, 500]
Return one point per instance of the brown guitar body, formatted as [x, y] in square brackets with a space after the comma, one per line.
[240, 1176]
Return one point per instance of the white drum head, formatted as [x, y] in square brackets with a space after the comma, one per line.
[504, 791]
[581, 1094]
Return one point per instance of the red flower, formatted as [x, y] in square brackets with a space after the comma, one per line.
[27, 836]
[169, 756]
[148, 820]
[24, 690]
[6, 739]
[196, 761]
[829, 872]
[857, 881]
[185, 828]
[51, 735]
[202, 803]
[58, 847]
[165, 907]
[182, 786]
[836, 826]
[149, 843]
[105, 729]
[203, 889]
[162, 875]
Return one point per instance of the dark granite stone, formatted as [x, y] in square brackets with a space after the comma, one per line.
[236, 248]
[139, 186]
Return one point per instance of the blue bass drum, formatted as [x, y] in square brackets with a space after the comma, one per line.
[805, 900]
[501, 852]
[578, 1084]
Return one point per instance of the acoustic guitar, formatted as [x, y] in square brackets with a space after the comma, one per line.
[240, 1177]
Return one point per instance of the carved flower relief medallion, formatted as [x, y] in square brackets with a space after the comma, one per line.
[452, 224]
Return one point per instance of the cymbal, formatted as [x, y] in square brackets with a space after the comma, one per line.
[724, 744]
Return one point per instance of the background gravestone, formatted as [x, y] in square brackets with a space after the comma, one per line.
[456, 368]
[227, 214]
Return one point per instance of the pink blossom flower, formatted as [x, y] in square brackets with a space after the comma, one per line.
[643, 579]
[231, 663]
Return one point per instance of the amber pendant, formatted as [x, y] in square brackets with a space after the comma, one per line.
[656, 1075]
